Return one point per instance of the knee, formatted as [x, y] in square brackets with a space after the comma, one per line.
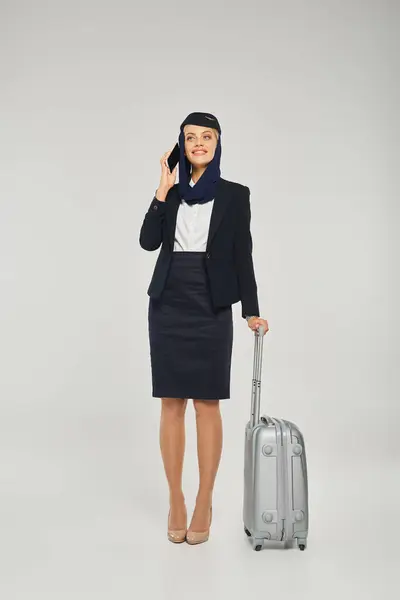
[174, 408]
[206, 408]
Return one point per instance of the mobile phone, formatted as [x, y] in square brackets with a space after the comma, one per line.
[173, 158]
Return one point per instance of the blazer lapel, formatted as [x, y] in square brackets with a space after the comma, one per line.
[171, 216]
[221, 201]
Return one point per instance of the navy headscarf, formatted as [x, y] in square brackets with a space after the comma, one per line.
[204, 189]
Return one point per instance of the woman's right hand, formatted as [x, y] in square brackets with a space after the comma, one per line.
[168, 178]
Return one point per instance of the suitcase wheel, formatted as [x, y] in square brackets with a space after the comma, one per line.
[257, 545]
[247, 532]
[302, 544]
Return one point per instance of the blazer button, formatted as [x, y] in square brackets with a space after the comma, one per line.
[155, 207]
[208, 255]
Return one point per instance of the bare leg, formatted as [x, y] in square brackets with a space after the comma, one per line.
[172, 445]
[209, 449]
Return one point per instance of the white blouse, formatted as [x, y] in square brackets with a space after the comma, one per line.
[192, 225]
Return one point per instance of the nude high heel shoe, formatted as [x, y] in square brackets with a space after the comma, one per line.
[198, 537]
[177, 536]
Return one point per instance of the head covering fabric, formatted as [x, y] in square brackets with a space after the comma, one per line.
[205, 188]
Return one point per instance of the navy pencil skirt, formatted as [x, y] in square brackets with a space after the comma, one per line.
[190, 340]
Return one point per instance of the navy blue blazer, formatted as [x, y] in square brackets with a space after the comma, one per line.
[229, 261]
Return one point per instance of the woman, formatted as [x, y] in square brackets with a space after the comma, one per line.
[205, 265]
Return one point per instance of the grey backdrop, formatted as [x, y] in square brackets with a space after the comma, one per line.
[92, 93]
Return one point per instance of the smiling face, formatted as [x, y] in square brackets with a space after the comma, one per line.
[200, 144]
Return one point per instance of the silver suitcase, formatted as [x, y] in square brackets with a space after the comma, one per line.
[275, 500]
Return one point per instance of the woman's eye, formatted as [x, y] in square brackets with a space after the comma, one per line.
[189, 139]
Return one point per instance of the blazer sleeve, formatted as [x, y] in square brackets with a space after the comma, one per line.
[150, 237]
[243, 248]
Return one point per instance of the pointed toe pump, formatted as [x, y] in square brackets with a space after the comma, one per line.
[199, 537]
[177, 536]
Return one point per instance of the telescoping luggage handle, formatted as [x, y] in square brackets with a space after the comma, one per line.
[256, 383]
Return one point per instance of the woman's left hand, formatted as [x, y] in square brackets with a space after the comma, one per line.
[254, 322]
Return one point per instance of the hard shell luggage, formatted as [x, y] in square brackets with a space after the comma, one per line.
[275, 501]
